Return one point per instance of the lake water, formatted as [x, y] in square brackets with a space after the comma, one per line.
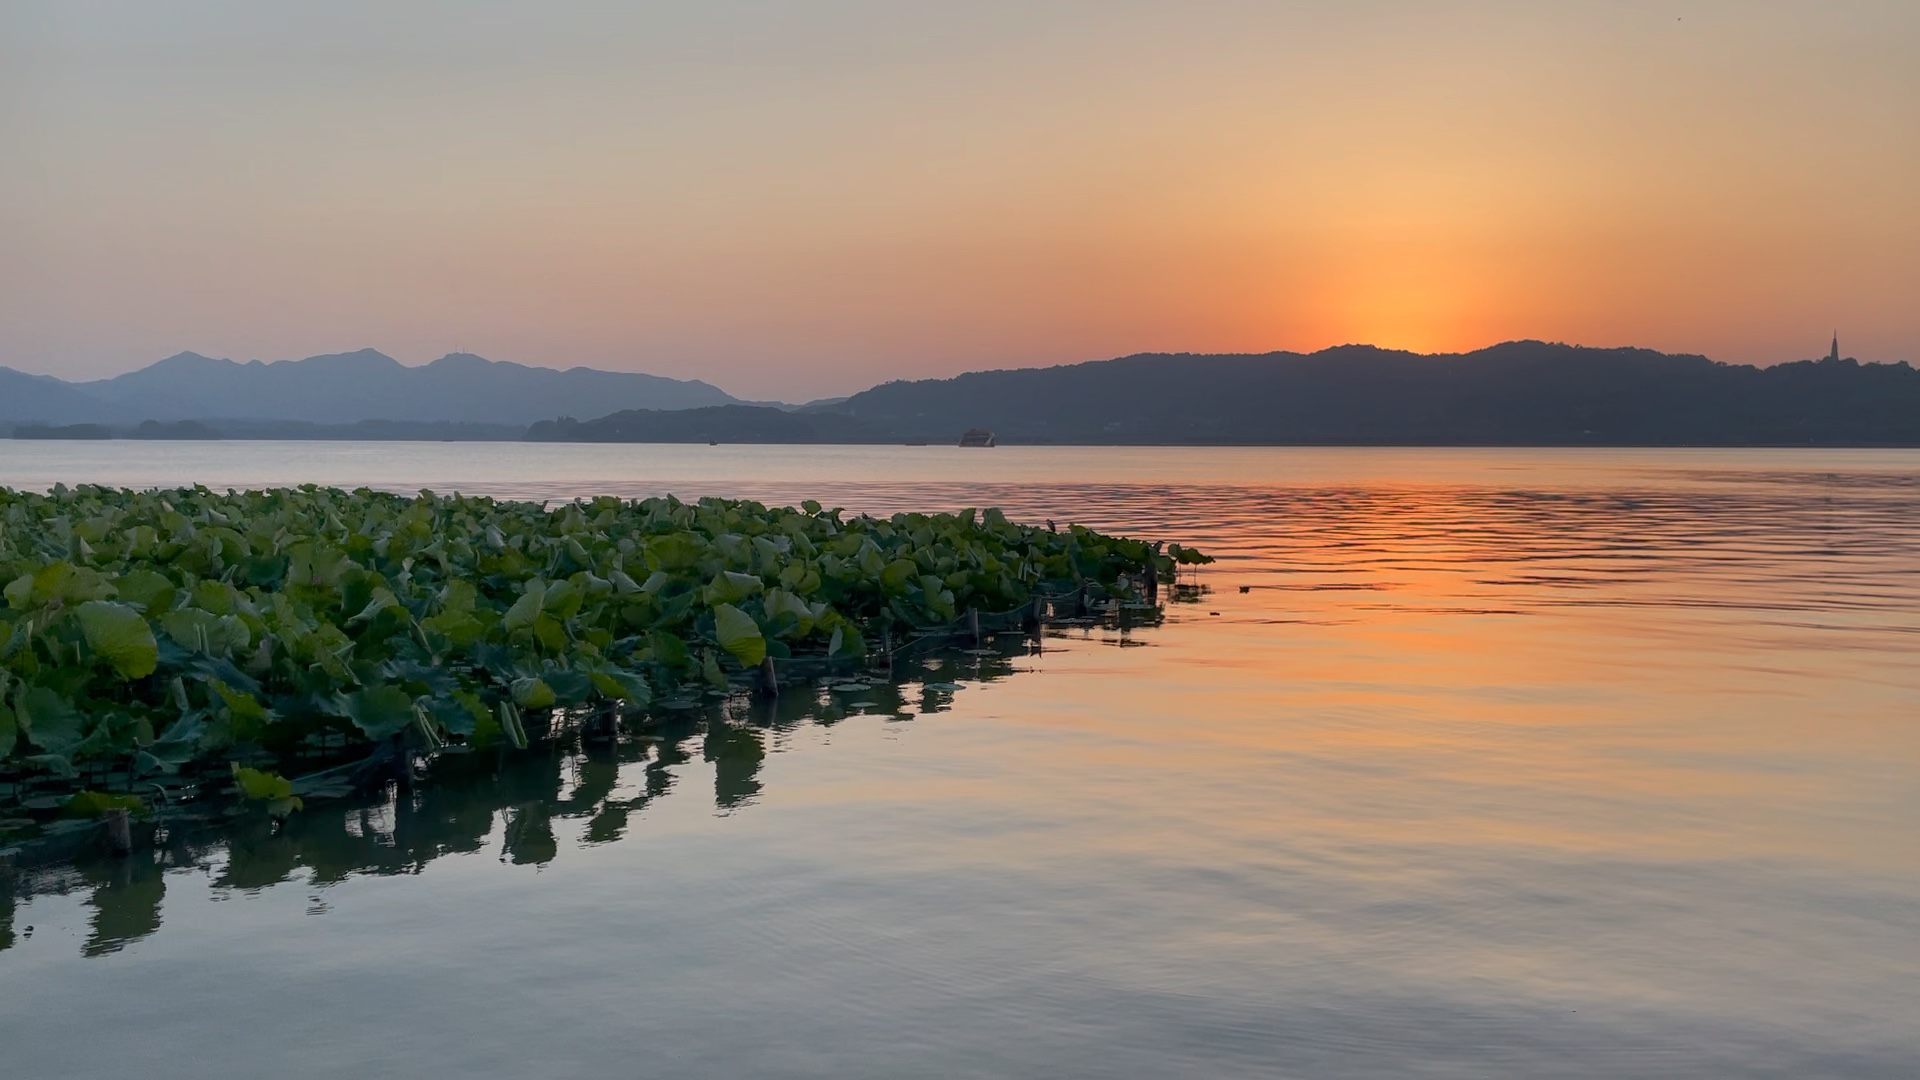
[1597, 763]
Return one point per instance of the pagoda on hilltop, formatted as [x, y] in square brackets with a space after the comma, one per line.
[1835, 354]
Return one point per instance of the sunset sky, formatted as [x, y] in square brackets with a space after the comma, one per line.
[800, 199]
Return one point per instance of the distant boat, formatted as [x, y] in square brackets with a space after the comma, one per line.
[977, 437]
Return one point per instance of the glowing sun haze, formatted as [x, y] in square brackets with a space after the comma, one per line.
[799, 199]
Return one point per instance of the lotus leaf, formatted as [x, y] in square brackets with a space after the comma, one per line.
[147, 590]
[562, 599]
[737, 633]
[710, 670]
[728, 587]
[669, 650]
[267, 787]
[895, 576]
[120, 635]
[622, 685]
[527, 608]
[510, 726]
[48, 719]
[379, 711]
[531, 693]
[96, 803]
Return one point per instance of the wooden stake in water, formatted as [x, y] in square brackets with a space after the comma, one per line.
[1042, 607]
[973, 625]
[769, 682]
[119, 825]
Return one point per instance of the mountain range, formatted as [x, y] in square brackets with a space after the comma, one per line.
[1519, 393]
[1516, 393]
[344, 388]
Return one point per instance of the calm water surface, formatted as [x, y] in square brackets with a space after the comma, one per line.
[1505, 763]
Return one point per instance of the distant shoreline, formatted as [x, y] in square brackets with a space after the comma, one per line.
[1015, 442]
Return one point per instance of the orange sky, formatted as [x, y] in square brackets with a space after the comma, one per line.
[799, 199]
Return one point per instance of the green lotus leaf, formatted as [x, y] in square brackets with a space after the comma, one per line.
[460, 627]
[737, 633]
[677, 551]
[509, 720]
[783, 606]
[531, 693]
[578, 552]
[242, 707]
[316, 564]
[458, 596]
[669, 650]
[59, 582]
[200, 631]
[896, 574]
[215, 596]
[381, 601]
[462, 714]
[379, 711]
[147, 590]
[96, 803]
[550, 632]
[569, 687]
[178, 744]
[847, 644]
[120, 635]
[622, 685]
[527, 608]
[728, 587]
[261, 785]
[562, 600]
[710, 670]
[49, 720]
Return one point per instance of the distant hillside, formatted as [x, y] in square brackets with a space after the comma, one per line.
[346, 388]
[1519, 393]
[39, 399]
[277, 430]
[722, 423]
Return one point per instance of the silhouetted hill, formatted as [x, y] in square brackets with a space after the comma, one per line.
[41, 399]
[346, 388]
[721, 423]
[282, 430]
[1519, 393]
